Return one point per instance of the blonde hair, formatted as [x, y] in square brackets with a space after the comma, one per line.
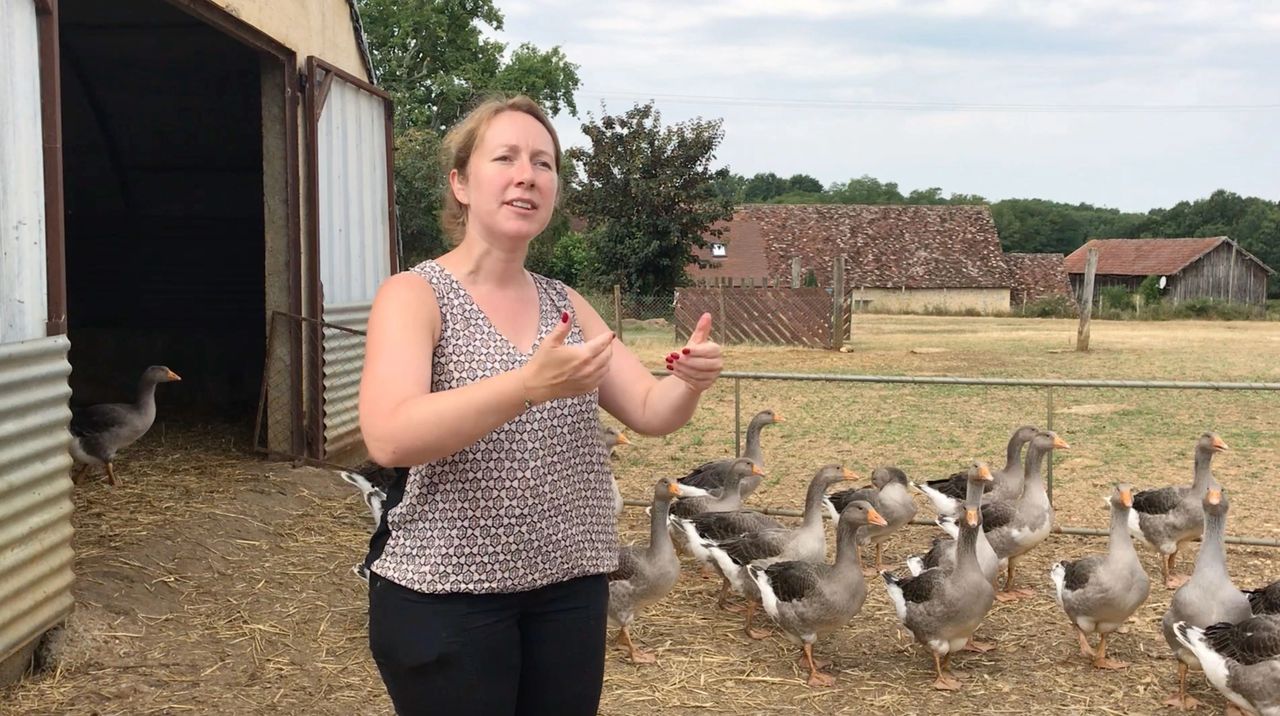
[461, 141]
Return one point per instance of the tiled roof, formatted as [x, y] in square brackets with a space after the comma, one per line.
[1142, 257]
[884, 246]
[1036, 276]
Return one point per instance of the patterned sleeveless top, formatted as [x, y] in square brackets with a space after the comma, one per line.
[530, 503]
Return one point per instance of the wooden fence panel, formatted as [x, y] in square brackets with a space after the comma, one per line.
[779, 316]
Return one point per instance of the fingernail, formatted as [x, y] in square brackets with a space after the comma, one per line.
[684, 351]
[670, 367]
[564, 316]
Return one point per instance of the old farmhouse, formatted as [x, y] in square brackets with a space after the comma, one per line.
[1215, 268]
[897, 258]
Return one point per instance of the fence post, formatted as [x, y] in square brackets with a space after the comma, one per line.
[795, 272]
[723, 319]
[617, 310]
[737, 417]
[1048, 400]
[1086, 301]
[837, 303]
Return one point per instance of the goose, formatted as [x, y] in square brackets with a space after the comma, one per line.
[942, 553]
[809, 600]
[1241, 660]
[765, 545]
[942, 609]
[1014, 527]
[1100, 592]
[947, 494]
[98, 432]
[1264, 600]
[725, 498]
[711, 475]
[1167, 517]
[1208, 597]
[612, 437]
[645, 574]
[890, 495]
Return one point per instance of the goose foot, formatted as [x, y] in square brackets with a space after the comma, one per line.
[1025, 592]
[1233, 710]
[1174, 581]
[1105, 663]
[642, 657]
[757, 634]
[732, 607]
[946, 683]
[981, 647]
[805, 659]
[818, 678]
[1183, 702]
[1008, 596]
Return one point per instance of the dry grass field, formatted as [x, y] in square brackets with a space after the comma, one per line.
[215, 583]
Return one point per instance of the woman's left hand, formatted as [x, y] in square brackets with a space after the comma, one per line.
[699, 363]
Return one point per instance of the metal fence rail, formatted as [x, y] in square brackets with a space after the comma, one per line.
[1047, 383]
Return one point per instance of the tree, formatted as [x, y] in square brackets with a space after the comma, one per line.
[434, 60]
[763, 187]
[866, 190]
[649, 195]
[804, 183]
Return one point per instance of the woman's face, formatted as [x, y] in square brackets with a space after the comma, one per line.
[510, 185]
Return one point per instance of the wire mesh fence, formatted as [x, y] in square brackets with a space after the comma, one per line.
[307, 405]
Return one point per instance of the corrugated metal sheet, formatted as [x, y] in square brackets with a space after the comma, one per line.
[23, 291]
[354, 223]
[35, 489]
[343, 361]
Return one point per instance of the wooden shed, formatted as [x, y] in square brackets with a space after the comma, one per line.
[184, 169]
[1214, 268]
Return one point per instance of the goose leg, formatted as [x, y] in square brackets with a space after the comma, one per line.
[1173, 580]
[980, 647]
[637, 656]
[1085, 649]
[943, 682]
[1100, 661]
[748, 616]
[723, 600]
[1008, 594]
[111, 474]
[1182, 701]
[816, 678]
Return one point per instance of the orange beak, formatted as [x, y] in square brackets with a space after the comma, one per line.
[175, 376]
[777, 417]
[1215, 496]
[874, 518]
[674, 489]
[985, 472]
[971, 517]
[1218, 445]
[622, 439]
[1060, 444]
[1126, 498]
[755, 469]
[848, 474]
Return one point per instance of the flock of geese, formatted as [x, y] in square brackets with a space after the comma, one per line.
[992, 518]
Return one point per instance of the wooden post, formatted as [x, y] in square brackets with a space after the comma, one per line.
[1231, 277]
[617, 310]
[837, 303]
[795, 272]
[1086, 301]
[722, 320]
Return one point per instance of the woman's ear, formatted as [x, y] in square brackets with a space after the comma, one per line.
[458, 185]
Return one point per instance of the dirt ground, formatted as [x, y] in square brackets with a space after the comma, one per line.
[212, 582]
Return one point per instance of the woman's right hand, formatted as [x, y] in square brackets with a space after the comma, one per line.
[560, 371]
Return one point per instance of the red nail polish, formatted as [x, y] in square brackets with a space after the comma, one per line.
[564, 316]
[670, 367]
[685, 351]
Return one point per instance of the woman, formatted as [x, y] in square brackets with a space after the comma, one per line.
[488, 593]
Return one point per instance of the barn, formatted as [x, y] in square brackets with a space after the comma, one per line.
[1214, 268]
[190, 176]
[897, 258]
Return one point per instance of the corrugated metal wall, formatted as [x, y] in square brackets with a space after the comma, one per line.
[35, 489]
[23, 288]
[354, 229]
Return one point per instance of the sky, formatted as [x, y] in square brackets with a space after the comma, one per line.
[1132, 104]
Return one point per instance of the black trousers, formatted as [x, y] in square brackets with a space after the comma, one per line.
[527, 653]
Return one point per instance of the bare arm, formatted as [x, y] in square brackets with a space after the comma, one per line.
[404, 423]
[648, 405]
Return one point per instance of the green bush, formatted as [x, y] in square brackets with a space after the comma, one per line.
[1149, 290]
[1115, 298]
[1048, 307]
